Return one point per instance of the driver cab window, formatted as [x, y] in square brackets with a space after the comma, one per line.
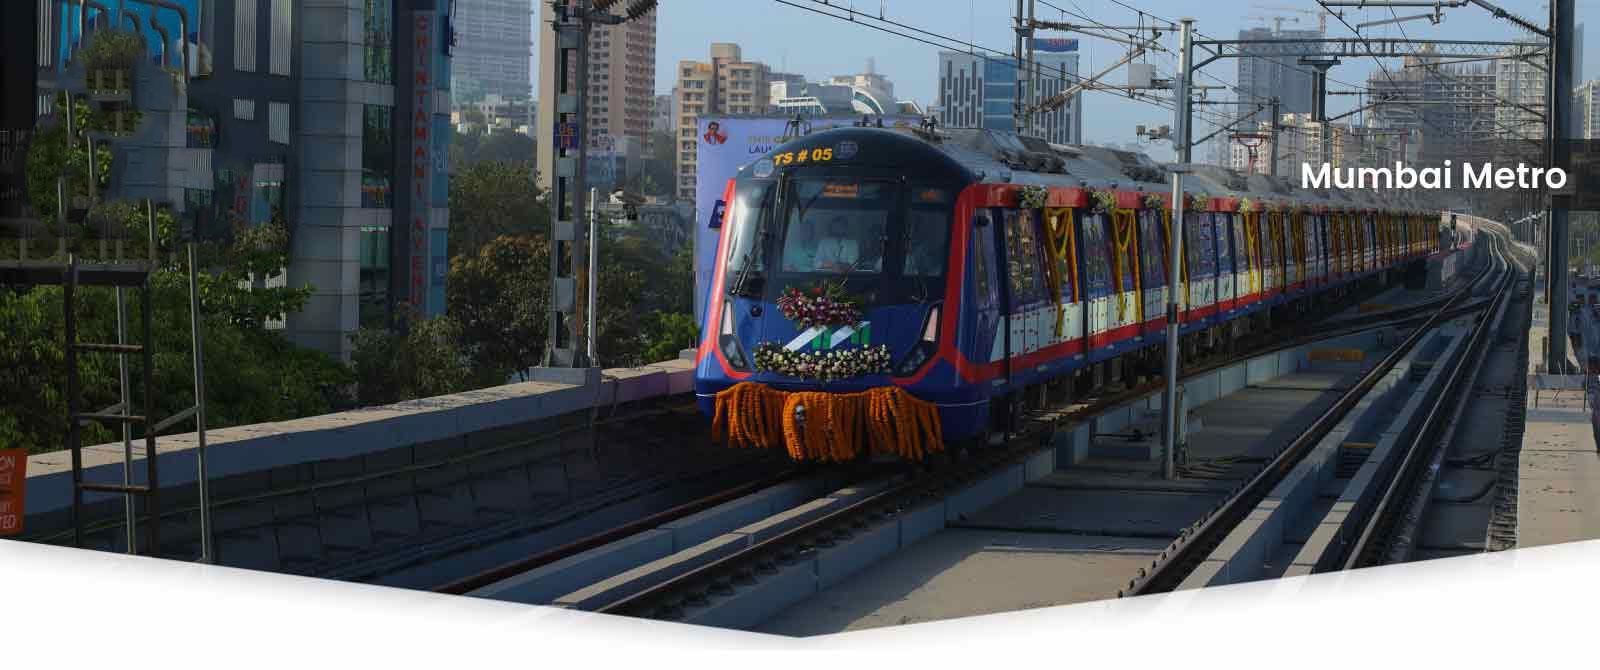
[836, 227]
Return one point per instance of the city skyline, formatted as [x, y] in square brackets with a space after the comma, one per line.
[688, 27]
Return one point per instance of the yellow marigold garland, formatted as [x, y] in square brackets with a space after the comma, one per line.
[836, 425]
[1252, 234]
[1058, 232]
[1123, 223]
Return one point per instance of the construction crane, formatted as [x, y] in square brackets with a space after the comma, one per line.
[1322, 15]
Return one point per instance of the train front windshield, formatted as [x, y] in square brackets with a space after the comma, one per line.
[885, 242]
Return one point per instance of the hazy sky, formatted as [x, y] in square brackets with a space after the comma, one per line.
[795, 40]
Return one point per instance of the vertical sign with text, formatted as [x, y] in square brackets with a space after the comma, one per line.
[421, 162]
[13, 474]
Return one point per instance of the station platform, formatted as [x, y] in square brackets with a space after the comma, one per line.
[1558, 475]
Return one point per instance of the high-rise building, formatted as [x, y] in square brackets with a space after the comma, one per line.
[726, 85]
[338, 130]
[493, 39]
[1451, 106]
[622, 78]
[661, 114]
[622, 85]
[1273, 70]
[1520, 84]
[1299, 141]
[978, 92]
[1586, 119]
[19, 53]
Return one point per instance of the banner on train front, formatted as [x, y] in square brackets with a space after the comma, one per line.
[723, 145]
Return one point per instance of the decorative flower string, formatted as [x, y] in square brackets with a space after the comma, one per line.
[1104, 201]
[1033, 197]
[826, 366]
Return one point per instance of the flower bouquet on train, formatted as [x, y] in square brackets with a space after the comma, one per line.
[825, 305]
[1199, 202]
[826, 365]
[1104, 201]
[1033, 197]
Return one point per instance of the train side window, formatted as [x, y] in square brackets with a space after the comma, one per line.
[1219, 230]
[1269, 240]
[1153, 256]
[982, 246]
[1022, 256]
[1096, 255]
[1199, 246]
[1241, 253]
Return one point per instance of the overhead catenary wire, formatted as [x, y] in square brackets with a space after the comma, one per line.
[934, 39]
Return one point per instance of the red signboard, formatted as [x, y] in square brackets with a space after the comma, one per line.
[13, 474]
[421, 165]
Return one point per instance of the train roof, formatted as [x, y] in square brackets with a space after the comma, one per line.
[993, 156]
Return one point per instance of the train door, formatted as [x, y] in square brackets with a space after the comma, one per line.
[988, 344]
[1200, 250]
[1094, 249]
[1226, 277]
[1153, 266]
[1247, 267]
[1368, 243]
[1271, 237]
[1292, 252]
[1339, 243]
[1319, 250]
[1025, 289]
[1123, 313]
[1065, 325]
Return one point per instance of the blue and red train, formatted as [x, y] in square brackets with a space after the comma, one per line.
[968, 268]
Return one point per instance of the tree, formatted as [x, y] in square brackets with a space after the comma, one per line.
[667, 334]
[471, 148]
[491, 199]
[252, 375]
[422, 362]
[500, 298]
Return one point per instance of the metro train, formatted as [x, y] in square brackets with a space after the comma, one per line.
[962, 271]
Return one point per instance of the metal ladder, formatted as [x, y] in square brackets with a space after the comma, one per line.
[123, 276]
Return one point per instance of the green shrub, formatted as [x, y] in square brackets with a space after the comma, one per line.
[112, 49]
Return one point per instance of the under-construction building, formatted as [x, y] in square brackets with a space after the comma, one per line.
[1452, 107]
[1273, 70]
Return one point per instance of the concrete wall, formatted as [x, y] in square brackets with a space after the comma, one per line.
[444, 423]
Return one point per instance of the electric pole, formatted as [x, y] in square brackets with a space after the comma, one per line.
[1273, 165]
[568, 166]
[1169, 399]
[1559, 114]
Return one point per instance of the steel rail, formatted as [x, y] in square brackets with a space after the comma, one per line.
[1381, 515]
[667, 598]
[510, 569]
[1197, 541]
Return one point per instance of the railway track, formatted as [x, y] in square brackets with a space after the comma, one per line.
[1379, 518]
[673, 597]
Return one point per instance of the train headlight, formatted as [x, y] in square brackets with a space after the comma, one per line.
[728, 342]
[924, 349]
